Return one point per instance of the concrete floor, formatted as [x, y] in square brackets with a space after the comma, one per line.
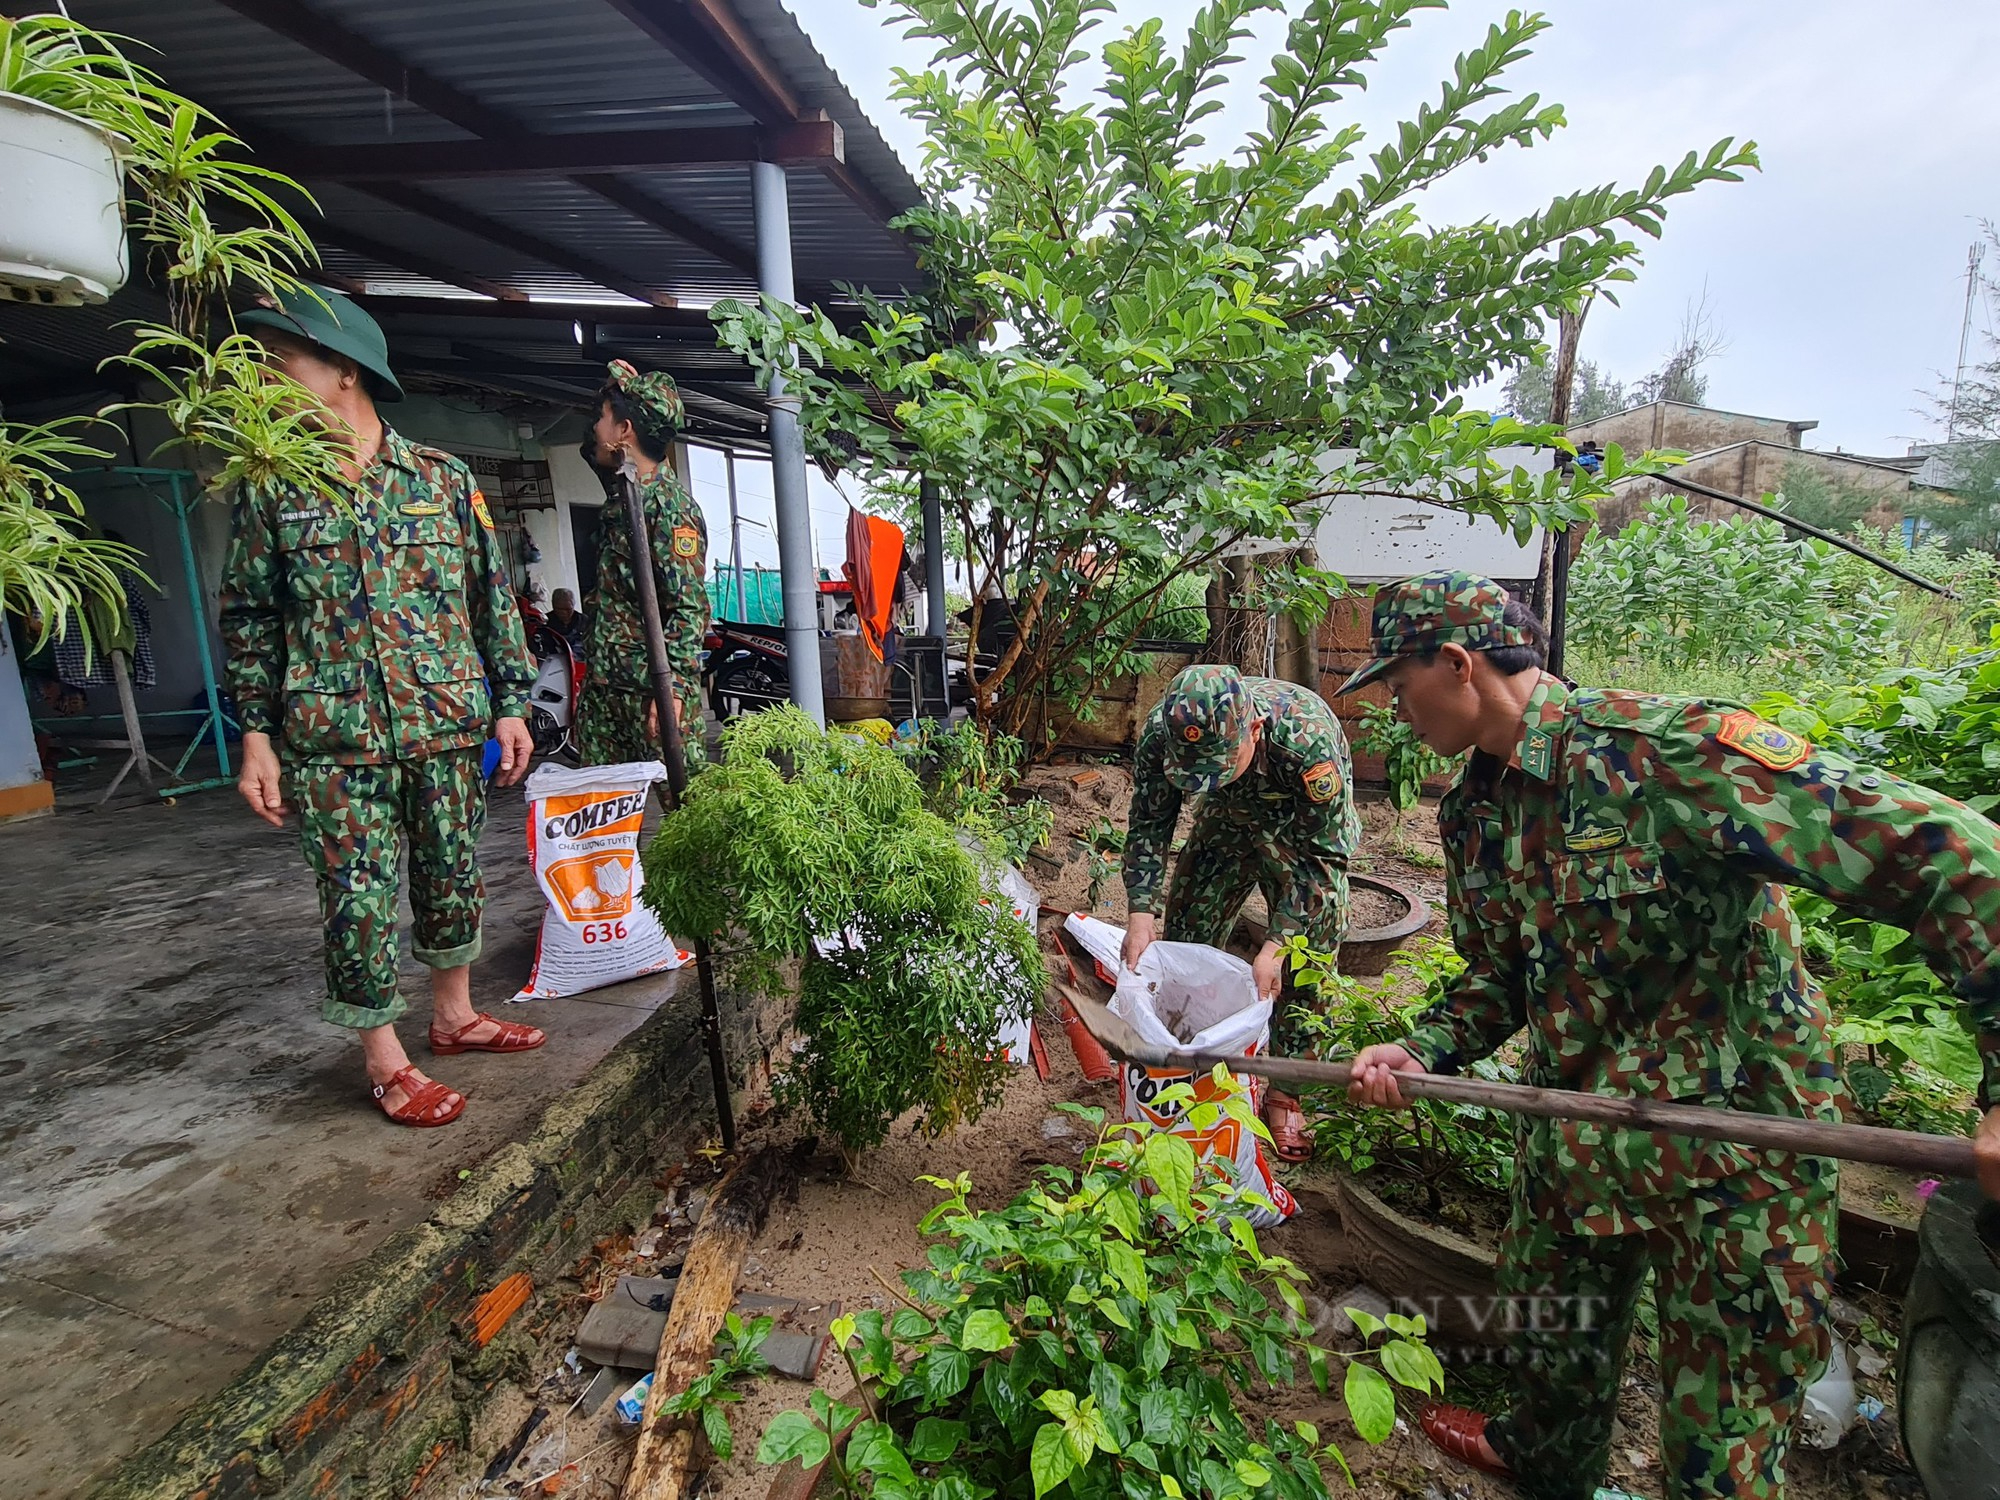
[187, 1155]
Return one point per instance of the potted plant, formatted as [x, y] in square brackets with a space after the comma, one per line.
[211, 226]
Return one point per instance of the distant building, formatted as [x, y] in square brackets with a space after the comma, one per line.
[1738, 453]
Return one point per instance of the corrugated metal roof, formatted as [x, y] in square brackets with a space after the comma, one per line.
[538, 67]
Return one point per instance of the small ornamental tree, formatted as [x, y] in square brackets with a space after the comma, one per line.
[1137, 348]
[817, 848]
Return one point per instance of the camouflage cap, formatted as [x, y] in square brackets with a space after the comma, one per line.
[655, 391]
[335, 321]
[1207, 714]
[1418, 615]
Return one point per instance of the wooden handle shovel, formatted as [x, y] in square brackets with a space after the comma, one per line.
[1943, 1156]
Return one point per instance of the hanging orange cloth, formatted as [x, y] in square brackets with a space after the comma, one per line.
[874, 558]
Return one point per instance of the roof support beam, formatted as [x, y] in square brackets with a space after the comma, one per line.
[811, 142]
[417, 201]
[712, 41]
[377, 65]
[327, 232]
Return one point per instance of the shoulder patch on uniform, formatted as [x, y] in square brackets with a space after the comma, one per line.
[687, 542]
[1323, 781]
[479, 509]
[1763, 741]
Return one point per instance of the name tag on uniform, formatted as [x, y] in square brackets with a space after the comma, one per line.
[299, 515]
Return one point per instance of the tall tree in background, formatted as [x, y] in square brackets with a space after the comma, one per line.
[1529, 392]
[1137, 350]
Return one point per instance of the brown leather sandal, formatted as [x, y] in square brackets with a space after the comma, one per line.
[510, 1037]
[1456, 1432]
[422, 1096]
[1287, 1125]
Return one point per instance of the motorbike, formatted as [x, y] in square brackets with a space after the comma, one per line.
[552, 700]
[748, 668]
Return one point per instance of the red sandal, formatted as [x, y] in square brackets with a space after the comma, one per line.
[511, 1036]
[1456, 1432]
[1287, 1126]
[422, 1096]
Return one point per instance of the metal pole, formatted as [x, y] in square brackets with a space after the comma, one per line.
[200, 614]
[735, 535]
[788, 453]
[664, 700]
[933, 507]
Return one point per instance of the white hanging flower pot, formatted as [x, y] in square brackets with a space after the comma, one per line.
[62, 207]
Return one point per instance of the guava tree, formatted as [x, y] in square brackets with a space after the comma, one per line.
[1138, 345]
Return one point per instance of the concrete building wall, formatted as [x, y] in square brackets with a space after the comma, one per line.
[1755, 471]
[1690, 429]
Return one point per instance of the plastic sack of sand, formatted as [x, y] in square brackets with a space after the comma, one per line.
[583, 845]
[1191, 997]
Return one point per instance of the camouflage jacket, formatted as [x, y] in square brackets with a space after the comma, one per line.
[616, 653]
[377, 625]
[1615, 888]
[1294, 804]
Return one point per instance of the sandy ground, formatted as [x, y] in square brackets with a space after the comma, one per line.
[837, 1238]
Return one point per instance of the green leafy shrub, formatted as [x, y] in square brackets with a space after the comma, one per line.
[1683, 593]
[967, 775]
[817, 847]
[1109, 1332]
[1936, 726]
[1407, 761]
[1434, 1145]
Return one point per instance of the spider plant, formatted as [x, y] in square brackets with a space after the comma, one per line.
[211, 226]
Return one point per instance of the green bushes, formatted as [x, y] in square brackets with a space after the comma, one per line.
[816, 847]
[1105, 1331]
[1680, 594]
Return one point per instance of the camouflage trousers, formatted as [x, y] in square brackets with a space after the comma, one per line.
[1741, 1295]
[611, 726]
[1212, 879]
[354, 822]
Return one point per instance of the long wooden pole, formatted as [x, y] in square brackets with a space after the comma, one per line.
[702, 1299]
[664, 702]
[1947, 1156]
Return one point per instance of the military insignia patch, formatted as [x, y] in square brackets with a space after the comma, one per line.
[423, 508]
[1323, 781]
[479, 509]
[1592, 840]
[1763, 741]
[1191, 733]
[1538, 752]
[687, 542]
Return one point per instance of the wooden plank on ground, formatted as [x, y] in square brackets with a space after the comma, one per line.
[707, 1291]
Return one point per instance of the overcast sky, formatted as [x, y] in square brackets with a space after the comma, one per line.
[1837, 273]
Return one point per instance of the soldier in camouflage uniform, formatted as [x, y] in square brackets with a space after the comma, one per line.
[616, 717]
[1616, 865]
[1270, 763]
[373, 644]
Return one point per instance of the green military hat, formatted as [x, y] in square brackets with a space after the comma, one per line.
[1207, 714]
[335, 321]
[655, 390]
[1418, 615]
